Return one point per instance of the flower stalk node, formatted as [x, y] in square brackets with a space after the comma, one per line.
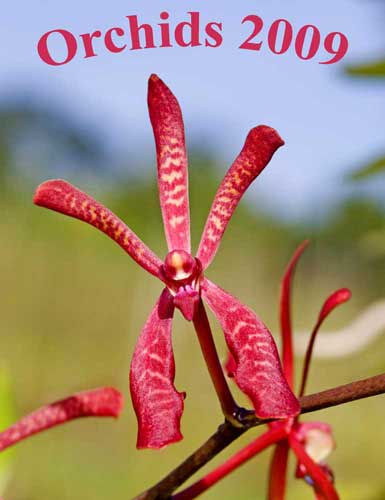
[243, 418]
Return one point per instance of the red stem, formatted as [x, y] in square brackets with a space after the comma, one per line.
[227, 433]
[322, 484]
[268, 438]
[306, 364]
[206, 341]
[278, 470]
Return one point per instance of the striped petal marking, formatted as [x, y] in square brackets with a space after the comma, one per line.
[158, 405]
[258, 373]
[261, 143]
[63, 197]
[167, 123]
[104, 402]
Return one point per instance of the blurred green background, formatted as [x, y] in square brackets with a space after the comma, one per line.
[72, 305]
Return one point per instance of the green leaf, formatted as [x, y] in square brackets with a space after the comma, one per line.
[374, 69]
[373, 168]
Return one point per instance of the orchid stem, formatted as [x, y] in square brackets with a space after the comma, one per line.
[265, 440]
[308, 355]
[206, 341]
[227, 433]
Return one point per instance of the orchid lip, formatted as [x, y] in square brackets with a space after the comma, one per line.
[181, 271]
[182, 274]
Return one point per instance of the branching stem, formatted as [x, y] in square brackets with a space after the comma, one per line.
[227, 432]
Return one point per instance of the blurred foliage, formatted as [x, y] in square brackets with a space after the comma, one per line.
[373, 69]
[7, 417]
[375, 167]
[36, 138]
[376, 71]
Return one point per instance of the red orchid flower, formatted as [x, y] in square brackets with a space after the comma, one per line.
[311, 442]
[158, 405]
[102, 402]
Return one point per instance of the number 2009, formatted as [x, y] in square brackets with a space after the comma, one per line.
[307, 41]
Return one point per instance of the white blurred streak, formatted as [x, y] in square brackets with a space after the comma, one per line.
[347, 341]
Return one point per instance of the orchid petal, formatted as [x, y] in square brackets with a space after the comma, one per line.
[285, 315]
[262, 442]
[158, 405]
[258, 373]
[230, 365]
[335, 299]
[61, 196]
[322, 485]
[317, 439]
[167, 123]
[278, 470]
[104, 402]
[261, 143]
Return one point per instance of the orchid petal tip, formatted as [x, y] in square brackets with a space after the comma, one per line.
[266, 133]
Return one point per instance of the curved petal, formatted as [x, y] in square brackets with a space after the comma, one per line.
[258, 373]
[285, 315]
[334, 300]
[158, 405]
[65, 198]
[104, 402]
[167, 123]
[322, 485]
[278, 470]
[261, 143]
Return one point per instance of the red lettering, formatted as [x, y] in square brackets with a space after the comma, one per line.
[110, 44]
[214, 34]
[194, 31]
[135, 39]
[87, 42]
[165, 30]
[71, 46]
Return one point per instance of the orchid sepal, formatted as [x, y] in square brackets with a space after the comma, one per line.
[63, 197]
[102, 402]
[260, 145]
[167, 123]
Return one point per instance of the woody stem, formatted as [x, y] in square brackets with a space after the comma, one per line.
[227, 433]
[206, 341]
[267, 439]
